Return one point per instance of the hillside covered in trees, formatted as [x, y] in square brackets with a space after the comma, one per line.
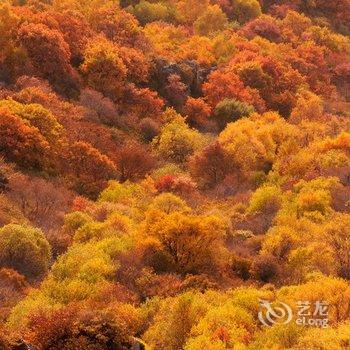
[168, 168]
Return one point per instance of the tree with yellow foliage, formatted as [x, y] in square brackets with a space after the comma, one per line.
[191, 242]
[176, 141]
[211, 21]
[103, 68]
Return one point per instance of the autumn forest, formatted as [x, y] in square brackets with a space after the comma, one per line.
[174, 174]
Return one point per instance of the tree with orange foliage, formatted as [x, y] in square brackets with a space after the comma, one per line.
[142, 102]
[136, 63]
[197, 112]
[9, 21]
[12, 56]
[189, 10]
[76, 33]
[310, 60]
[276, 81]
[49, 54]
[21, 143]
[79, 327]
[4, 339]
[119, 26]
[89, 170]
[221, 85]
[13, 287]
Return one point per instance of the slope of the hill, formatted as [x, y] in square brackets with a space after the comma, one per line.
[174, 172]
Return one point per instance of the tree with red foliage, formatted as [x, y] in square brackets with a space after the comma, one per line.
[264, 26]
[89, 170]
[142, 102]
[149, 129]
[276, 81]
[337, 12]
[181, 185]
[165, 183]
[134, 162]
[44, 203]
[176, 91]
[210, 166]
[310, 60]
[13, 280]
[99, 107]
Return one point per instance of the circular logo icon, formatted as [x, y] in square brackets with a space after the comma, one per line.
[279, 313]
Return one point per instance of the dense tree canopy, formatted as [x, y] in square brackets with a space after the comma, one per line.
[24, 249]
[169, 169]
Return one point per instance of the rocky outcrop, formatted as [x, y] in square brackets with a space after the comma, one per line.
[191, 73]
